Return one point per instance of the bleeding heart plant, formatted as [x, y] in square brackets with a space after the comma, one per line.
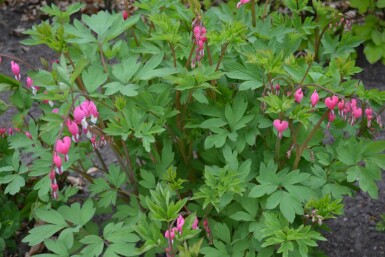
[207, 133]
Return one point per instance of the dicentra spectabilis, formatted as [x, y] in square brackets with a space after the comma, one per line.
[242, 2]
[331, 103]
[179, 223]
[73, 129]
[93, 111]
[29, 82]
[298, 95]
[16, 70]
[54, 188]
[277, 88]
[79, 115]
[331, 118]
[341, 107]
[353, 103]
[58, 163]
[356, 113]
[170, 234]
[63, 146]
[369, 116]
[314, 98]
[280, 126]
[125, 15]
[195, 224]
[199, 40]
[28, 135]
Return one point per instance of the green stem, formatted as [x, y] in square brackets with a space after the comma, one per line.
[307, 71]
[105, 169]
[307, 140]
[253, 15]
[265, 10]
[223, 51]
[277, 149]
[190, 55]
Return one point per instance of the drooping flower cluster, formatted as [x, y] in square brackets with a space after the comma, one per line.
[346, 23]
[348, 110]
[170, 233]
[8, 132]
[62, 147]
[86, 115]
[86, 110]
[199, 40]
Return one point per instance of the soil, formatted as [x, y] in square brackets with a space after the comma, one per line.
[352, 234]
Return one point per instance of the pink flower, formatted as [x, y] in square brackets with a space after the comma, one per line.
[125, 15]
[55, 110]
[199, 40]
[280, 126]
[242, 2]
[277, 88]
[58, 163]
[93, 112]
[28, 135]
[331, 102]
[357, 112]
[298, 95]
[353, 102]
[341, 107]
[331, 118]
[314, 98]
[369, 116]
[179, 223]
[170, 234]
[79, 114]
[73, 129]
[16, 70]
[29, 82]
[63, 146]
[54, 188]
[195, 224]
[52, 176]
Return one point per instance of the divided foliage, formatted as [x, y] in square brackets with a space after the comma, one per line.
[190, 132]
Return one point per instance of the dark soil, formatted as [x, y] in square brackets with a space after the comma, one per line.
[351, 235]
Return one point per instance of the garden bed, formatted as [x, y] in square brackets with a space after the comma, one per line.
[352, 234]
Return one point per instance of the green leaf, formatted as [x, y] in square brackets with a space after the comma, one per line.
[40, 233]
[376, 37]
[15, 182]
[150, 65]
[94, 246]
[3, 106]
[361, 5]
[372, 52]
[125, 70]
[242, 216]
[123, 249]
[93, 78]
[148, 179]
[222, 232]
[56, 246]
[380, 3]
[116, 176]
[51, 216]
